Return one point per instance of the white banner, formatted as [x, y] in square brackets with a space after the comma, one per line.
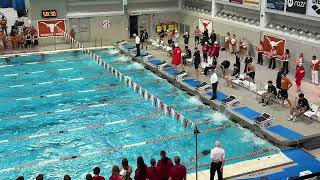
[106, 24]
[205, 23]
[313, 8]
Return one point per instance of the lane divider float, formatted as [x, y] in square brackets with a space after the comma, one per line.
[98, 88]
[90, 105]
[90, 126]
[110, 150]
[41, 62]
[49, 70]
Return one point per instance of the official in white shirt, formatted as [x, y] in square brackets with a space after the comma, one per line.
[217, 156]
[214, 82]
[137, 40]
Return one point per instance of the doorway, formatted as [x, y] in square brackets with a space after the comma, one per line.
[133, 25]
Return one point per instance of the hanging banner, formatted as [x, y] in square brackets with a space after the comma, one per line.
[251, 2]
[275, 4]
[297, 6]
[205, 23]
[270, 41]
[106, 24]
[313, 8]
[236, 1]
[47, 28]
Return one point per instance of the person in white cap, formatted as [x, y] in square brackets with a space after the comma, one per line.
[186, 39]
[217, 156]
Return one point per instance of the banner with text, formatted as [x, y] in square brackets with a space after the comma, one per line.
[313, 8]
[47, 28]
[297, 6]
[270, 41]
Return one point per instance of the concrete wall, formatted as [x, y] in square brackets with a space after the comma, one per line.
[36, 6]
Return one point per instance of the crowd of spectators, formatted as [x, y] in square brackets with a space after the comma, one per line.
[164, 169]
[19, 37]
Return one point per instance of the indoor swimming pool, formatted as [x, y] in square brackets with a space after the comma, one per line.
[64, 114]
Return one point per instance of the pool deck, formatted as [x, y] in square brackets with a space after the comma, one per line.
[255, 166]
[247, 167]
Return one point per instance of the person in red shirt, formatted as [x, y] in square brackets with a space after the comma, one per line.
[179, 171]
[96, 172]
[152, 170]
[299, 76]
[115, 174]
[205, 50]
[163, 166]
[141, 171]
[176, 56]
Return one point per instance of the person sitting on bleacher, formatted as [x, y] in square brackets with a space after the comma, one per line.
[301, 107]
[270, 93]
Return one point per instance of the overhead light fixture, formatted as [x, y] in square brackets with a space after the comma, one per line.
[277, 26]
[230, 16]
[293, 30]
[240, 18]
[310, 34]
[225, 15]
[246, 20]
[235, 17]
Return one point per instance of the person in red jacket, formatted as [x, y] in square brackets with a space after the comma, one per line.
[205, 50]
[163, 166]
[299, 76]
[141, 171]
[115, 174]
[96, 172]
[176, 56]
[179, 171]
[152, 170]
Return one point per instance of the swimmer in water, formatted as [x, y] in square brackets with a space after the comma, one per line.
[201, 155]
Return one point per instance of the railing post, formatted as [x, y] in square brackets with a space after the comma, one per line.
[95, 42]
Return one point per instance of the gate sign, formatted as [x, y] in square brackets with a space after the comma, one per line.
[270, 41]
[106, 24]
[47, 28]
[297, 6]
[313, 8]
[204, 23]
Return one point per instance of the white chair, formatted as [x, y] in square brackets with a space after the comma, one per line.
[314, 112]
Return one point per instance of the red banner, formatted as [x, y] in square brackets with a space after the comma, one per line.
[269, 41]
[47, 28]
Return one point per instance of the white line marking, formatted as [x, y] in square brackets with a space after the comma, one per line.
[6, 66]
[36, 72]
[62, 110]
[76, 79]
[97, 105]
[84, 91]
[66, 69]
[33, 63]
[45, 82]
[54, 95]
[23, 99]
[11, 75]
[20, 85]
[27, 116]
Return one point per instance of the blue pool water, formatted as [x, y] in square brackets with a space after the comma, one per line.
[51, 118]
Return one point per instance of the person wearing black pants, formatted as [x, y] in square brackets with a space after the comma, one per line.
[215, 166]
[212, 66]
[260, 53]
[217, 156]
[137, 39]
[214, 82]
[272, 56]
